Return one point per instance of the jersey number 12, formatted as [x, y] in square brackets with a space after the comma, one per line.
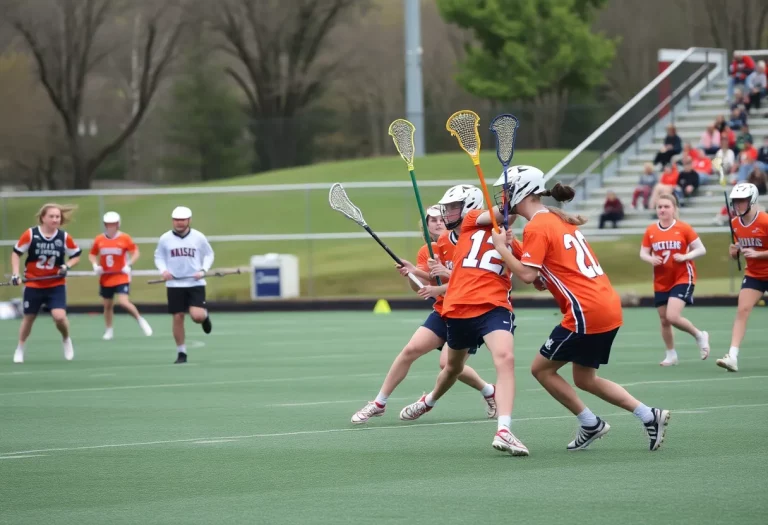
[470, 261]
[579, 243]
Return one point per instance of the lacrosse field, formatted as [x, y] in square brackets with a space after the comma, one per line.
[256, 428]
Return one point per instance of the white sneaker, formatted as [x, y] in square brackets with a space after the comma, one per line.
[69, 351]
[729, 362]
[109, 334]
[367, 412]
[703, 343]
[491, 410]
[505, 441]
[145, 326]
[18, 356]
[669, 361]
[415, 410]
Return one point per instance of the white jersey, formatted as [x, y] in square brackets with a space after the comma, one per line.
[183, 257]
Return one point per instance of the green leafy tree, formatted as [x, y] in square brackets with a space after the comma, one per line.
[206, 126]
[524, 49]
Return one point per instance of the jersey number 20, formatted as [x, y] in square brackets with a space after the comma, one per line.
[470, 261]
[579, 243]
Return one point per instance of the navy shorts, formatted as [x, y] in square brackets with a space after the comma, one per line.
[436, 324]
[108, 292]
[469, 333]
[754, 284]
[590, 350]
[680, 291]
[52, 298]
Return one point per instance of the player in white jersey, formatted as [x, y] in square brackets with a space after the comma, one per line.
[183, 255]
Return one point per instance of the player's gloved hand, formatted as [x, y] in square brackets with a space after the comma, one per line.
[167, 275]
[15, 280]
[540, 284]
[126, 269]
[98, 270]
[63, 269]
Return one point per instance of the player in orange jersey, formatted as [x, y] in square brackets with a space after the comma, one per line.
[671, 245]
[554, 247]
[45, 271]
[476, 309]
[112, 254]
[750, 226]
[431, 335]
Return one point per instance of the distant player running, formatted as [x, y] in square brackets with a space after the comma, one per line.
[45, 270]
[476, 309]
[751, 229]
[431, 335]
[183, 256]
[554, 247]
[111, 255]
[671, 245]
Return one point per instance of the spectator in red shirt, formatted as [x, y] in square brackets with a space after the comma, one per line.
[667, 184]
[613, 210]
[740, 69]
[747, 160]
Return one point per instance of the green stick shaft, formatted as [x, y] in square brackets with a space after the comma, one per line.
[423, 218]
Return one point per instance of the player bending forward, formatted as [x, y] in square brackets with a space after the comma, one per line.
[46, 246]
[112, 254]
[554, 247]
[751, 229]
[183, 256]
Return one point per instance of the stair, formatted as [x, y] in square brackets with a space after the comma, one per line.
[691, 122]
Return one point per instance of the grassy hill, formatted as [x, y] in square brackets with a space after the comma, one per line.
[328, 267]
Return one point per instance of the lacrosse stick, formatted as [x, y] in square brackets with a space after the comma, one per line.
[217, 273]
[339, 201]
[401, 132]
[505, 128]
[730, 225]
[35, 279]
[717, 164]
[463, 126]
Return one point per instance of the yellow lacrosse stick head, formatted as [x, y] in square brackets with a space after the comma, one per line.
[402, 132]
[463, 125]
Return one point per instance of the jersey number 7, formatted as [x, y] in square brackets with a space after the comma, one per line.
[579, 243]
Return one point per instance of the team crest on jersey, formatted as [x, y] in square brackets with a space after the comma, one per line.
[58, 243]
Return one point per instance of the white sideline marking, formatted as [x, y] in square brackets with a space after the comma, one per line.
[24, 456]
[4, 455]
[102, 375]
[206, 441]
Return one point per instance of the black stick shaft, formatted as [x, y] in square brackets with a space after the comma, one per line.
[381, 243]
[730, 225]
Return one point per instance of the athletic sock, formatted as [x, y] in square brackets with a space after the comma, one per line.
[429, 401]
[671, 355]
[734, 352]
[587, 418]
[182, 349]
[488, 390]
[381, 400]
[504, 422]
[643, 413]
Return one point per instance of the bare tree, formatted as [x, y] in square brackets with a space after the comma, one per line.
[68, 40]
[733, 24]
[278, 45]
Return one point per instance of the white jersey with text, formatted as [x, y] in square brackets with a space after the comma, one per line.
[183, 256]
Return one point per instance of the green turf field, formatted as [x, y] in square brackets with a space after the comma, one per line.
[255, 429]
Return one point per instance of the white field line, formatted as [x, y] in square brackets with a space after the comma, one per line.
[4, 455]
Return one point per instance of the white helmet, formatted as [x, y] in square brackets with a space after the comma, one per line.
[522, 181]
[111, 217]
[745, 190]
[471, 196]
[181, 212]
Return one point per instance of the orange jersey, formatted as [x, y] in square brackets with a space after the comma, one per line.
[666, 242]
[45, 255]
[113, 256]
[584, 293]
[479, 280]
[754, 235]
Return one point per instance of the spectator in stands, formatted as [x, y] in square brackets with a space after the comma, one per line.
[672, 146]
[710, 140]
[726, 155]
[740, 69]
[747, 161]
[738, 119]
[743, 136]
[755, 86]
[720, 124]
[666, 184]
[613, 210]
[762, 155]
[759, 179]
[645, 186]
[729, 134]
[687, 181]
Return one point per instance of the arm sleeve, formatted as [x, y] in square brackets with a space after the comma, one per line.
[696, 249]
[160, 255]
[72, 249]
[22, 246]
[207, 253]
[535, 244]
